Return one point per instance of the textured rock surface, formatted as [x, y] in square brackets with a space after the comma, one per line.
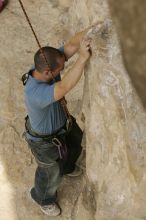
[114, 184]
[129, 18]
[115, 126]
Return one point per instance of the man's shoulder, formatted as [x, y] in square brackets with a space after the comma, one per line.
[38, 88]
[31, 86]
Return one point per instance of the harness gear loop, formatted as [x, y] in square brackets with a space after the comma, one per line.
[58, 144]
[62, 101]
[62, 149]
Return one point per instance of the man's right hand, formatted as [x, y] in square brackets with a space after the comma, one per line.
[85, 49]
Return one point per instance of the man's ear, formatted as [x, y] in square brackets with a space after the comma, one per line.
[46, 72]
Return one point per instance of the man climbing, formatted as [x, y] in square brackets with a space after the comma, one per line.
[55, 143]
[3, 3]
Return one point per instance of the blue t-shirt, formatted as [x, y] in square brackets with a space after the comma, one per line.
[46, 115]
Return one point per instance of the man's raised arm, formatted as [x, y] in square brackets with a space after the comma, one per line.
[71, 78]
[73, 45]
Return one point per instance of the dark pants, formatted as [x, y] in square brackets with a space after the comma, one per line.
[51, 168]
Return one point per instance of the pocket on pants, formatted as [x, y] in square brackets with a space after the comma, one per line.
[44, 152]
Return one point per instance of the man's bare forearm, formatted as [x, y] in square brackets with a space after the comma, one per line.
[71, 47]
[71, 78]
[76, 39]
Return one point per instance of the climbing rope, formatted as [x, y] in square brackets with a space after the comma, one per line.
[62, 101]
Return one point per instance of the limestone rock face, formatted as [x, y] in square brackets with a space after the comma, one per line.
[129, 18]
[115, 126]
[105, 103]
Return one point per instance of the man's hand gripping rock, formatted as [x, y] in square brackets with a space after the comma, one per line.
[85, 49]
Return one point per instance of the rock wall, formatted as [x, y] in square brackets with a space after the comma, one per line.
[115, 127]
[128, 18]
[105, 103]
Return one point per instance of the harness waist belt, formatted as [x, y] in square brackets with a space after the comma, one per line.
[48, 136]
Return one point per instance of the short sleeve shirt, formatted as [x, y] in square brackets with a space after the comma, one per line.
[46, 115]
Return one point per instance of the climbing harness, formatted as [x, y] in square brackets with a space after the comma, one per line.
[46, 137]
[62, 101]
